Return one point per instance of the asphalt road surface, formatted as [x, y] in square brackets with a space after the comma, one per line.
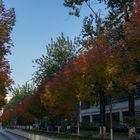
[9, 136]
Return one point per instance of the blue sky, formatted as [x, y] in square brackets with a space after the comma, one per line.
[36, 23]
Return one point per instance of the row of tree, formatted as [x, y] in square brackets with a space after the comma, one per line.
[23, 108]
[106, 64]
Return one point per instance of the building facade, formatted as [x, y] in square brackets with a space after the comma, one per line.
[90, 114]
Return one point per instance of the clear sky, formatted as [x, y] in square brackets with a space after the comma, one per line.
[37, 21]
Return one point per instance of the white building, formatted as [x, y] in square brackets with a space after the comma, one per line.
[91, 114]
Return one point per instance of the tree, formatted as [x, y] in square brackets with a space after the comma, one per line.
[25, 105]
[7, 21]
[92, 24]
[119, 11]
[132, 45]
[25, 111]
[103, 71]
[88, 31]
[19, 94]
[59, 52]
[66, 89]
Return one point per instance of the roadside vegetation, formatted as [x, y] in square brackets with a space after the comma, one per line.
[104, 63]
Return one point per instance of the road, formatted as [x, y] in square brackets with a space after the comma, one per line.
[9, 136]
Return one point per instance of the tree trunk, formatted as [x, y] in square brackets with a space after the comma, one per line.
[131, 104]
[58, 129]
[131, 107]
[78, 119]
[102, 115]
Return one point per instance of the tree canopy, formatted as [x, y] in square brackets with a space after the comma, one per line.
[19, 93]
[58, 53]
[7, 21]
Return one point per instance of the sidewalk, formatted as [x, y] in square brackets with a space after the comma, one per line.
[29, 135]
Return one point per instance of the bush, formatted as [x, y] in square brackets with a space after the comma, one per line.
[89, 126]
